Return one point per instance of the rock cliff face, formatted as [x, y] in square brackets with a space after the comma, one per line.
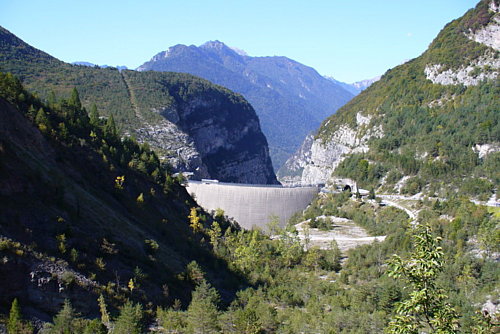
[222, 140]
[316, 160]
[194, 125]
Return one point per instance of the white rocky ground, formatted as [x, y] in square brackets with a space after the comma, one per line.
[344, 231]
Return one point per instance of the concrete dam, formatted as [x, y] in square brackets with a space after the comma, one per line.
[252, 205]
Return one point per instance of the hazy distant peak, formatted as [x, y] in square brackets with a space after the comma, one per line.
[241, 52]
[218, 45]
[363, 84]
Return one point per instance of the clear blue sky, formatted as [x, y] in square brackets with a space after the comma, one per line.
[349, 40]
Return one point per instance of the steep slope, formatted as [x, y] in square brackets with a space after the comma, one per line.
[84, 213]
[285, 94]
[201, 138]
[434, 120]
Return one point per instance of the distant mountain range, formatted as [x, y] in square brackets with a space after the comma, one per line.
[86, 63]
[291, 99]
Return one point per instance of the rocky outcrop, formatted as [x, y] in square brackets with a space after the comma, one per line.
[175, 146]
[485, 149]
[484, 68]
[315, 162]
[213, 136]
[490, 34]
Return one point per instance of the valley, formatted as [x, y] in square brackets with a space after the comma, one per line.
[157, 201]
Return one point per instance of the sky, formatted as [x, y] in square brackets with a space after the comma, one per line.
[348, 40]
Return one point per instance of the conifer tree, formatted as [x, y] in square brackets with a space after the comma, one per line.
[110, 127]
[194, 220]
[74, 100]
[129, 320]
[63, 321]
[202, 312]
[94, 115]
[14, 323]
[104, 311]
[42, 120]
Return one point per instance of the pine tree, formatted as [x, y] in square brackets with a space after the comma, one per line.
[74, 100]
[64, 320]
[104, 311]
[129, 320]
[194, 220]
[94, 116]
[14, 323]
[110, 127]
[52, 100]
[42, 120]
[202, 312]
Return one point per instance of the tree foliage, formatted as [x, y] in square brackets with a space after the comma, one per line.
[427, 306]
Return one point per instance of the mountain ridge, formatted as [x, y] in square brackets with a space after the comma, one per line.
[285, 93]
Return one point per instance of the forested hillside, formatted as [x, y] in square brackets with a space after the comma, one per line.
[434, 120]
[86, 213]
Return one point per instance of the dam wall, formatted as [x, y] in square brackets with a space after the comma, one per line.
[252, 205]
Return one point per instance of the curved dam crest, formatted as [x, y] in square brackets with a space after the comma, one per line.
[252, 205]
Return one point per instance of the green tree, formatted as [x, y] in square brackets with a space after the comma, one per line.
[104, 311]
[203, 313]
[172, 321]
[215, 233]
[15, 324]
[129, 320]
[64, 321]
[74, 100]
[110, 127]
[426, 307]
[42, 120]
[94, 116]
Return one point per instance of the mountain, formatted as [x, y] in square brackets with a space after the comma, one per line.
[84, 213]
[431, 124]
[285, 94]
[364, 84]
[194, 125]
[356, 87]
